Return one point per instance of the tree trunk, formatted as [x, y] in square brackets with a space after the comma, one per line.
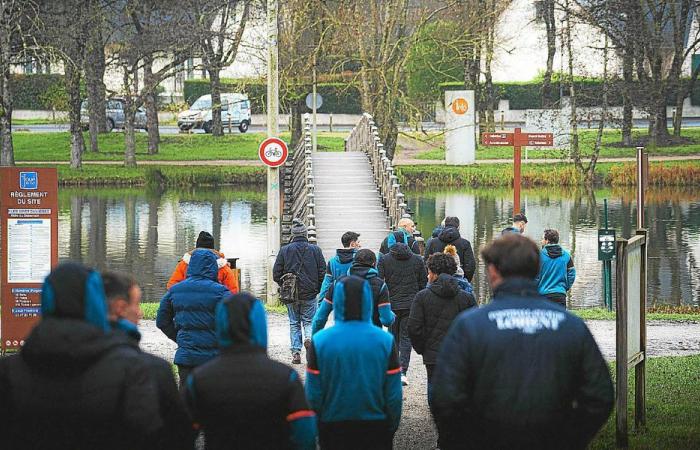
[551, 26]
[94, 80]
[296, 122]
[130, 119]
[678, 117]
[151, 105]
[7, 154]
[77, 144]
[627, 84]
[217, 128]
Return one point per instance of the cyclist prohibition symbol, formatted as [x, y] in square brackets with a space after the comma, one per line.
[273, 152]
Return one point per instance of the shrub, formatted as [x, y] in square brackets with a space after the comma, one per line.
[37, 91]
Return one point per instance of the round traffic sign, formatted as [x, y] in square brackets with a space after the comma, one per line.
[310, 101]
[273, 152]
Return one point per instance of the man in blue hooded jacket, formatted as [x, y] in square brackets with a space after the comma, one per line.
[75, 384]
[339, 264]
[557, 272]
[242, 398]
[186, 313]
[353, 379]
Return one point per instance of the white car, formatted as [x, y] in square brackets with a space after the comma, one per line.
[234, 107]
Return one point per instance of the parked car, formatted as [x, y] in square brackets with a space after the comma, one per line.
[234, 107]
[115, 115]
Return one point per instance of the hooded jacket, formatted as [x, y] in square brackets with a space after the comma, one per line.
[520, 372]
[557, 272]
[353, 371]
[74, 384]
[381, 306]
[337, 267]
[450, 235]
[432, 313]
[225, 275]
[390, 240]
[242, 398]
[304, 259]
[186, 312]
[404, 273]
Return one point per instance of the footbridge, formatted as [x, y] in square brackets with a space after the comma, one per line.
[333, 192]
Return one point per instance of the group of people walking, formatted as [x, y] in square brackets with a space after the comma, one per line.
[519, 372]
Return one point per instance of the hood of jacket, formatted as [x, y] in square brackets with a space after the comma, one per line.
[445, 286]
[203, 264]
[73, 291]
[363, 271]
[345, 255]
[510, 229]
[516, 287]
[241, 323]
[221, 259]
[553, 250]
[449, 234]
[352, 300]
[67, 345]
[128, 328]
[437, 230]
[401, 251]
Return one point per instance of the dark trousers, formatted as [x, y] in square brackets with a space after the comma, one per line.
[430, 370]
[183, 372]
[400, 331]
[557, 298]
[355, 435]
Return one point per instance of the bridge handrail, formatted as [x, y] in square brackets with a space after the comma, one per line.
[364, 137]
[299, 186]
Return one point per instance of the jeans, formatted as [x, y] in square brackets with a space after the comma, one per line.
[430, 370]
[300, 315]
[557, 298]
[400, 331]
[183, 372]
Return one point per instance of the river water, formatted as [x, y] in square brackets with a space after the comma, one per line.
[146, 232]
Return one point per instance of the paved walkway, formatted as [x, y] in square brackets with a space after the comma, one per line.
[347, 199]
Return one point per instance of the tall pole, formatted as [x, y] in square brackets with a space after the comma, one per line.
[314, 137]
[641, 185]
[273, 175]
[517, 161]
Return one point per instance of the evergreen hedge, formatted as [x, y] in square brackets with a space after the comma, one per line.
[32, 91]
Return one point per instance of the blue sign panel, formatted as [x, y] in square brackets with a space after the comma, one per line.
[28, 180]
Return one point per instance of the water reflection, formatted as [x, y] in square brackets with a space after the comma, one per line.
[673, 220]
[146, 232]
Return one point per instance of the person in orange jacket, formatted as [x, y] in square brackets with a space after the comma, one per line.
[225, 275]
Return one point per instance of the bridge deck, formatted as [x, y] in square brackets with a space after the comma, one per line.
[347, 199]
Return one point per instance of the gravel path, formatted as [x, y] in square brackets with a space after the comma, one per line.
[417, 431]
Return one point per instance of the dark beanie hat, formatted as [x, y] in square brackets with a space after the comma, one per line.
[366, 257]
[205, 240]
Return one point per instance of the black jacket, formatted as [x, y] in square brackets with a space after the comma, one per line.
[177, 431]
[404, 273]
[305, 260]
[451, 236]
[520, 372]
[75, 387]
[432, 313]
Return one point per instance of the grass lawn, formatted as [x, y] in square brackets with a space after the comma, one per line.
[673, 407]
[174, 147]
[587, 141]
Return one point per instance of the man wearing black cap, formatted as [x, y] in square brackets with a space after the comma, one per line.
[519, 223]
[75, 384]
[225, 275]
[304, 260]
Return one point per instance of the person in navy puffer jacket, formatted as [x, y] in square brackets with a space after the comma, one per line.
[557, 273]
[353, 378]
[186, 313]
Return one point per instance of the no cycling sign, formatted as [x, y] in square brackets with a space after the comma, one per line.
[273, 152]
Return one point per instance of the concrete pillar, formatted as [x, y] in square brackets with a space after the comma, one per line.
[460, 126]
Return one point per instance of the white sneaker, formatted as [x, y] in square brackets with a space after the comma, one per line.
[404, 380]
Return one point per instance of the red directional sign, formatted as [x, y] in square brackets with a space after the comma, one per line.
[273, 152]
[505, 139]
[535, 140]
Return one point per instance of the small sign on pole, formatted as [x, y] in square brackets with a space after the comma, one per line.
[273, 152]
[29, 247]
[517, 140]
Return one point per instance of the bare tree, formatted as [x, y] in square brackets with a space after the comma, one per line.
[18, 22]
[550, 22]
[220, 25]
[94, 68]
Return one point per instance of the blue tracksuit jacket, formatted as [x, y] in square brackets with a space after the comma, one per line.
[557, 272]
[337, 267]
[353, 371]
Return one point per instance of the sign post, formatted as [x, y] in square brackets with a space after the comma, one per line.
[460, 126]
[29, 247]
[517, 140]
[274, 199]
[606, 253]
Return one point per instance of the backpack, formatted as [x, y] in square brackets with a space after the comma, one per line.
[289, 288]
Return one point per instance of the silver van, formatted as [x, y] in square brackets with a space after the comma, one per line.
[115, 115]
[234, 107]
